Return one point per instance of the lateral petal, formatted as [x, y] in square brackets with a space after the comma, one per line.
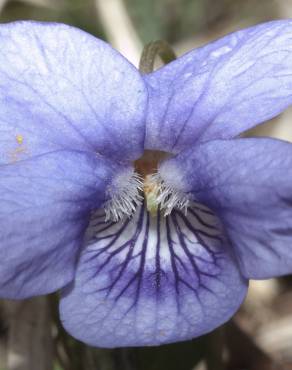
[247, 183]
[45, 206]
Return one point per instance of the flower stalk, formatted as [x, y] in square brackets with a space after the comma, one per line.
[150, 52]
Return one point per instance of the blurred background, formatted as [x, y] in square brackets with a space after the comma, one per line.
[260, 335]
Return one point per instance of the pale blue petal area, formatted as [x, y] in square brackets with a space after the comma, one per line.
[61, 88]
[152, 280]
[45, 207]
[222, 89]
[247, 183]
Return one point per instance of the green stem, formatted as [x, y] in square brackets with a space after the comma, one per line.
[151, 51]
[215, 342]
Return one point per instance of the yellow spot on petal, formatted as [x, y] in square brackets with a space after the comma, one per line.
[15, 155]
[19, 139]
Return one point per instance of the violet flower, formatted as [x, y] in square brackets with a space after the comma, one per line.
[148, 248]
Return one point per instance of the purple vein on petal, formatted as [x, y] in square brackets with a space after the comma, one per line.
[150, 280]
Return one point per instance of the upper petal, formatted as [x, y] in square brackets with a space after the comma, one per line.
[152, 280]
[61, 88]
[45, 206]
[247, 183]
[221, 89]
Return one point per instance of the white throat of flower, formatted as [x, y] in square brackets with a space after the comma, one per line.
[129, 190]
[159, 194]
[125, 194]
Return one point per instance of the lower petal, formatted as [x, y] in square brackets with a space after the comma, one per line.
[152, 280]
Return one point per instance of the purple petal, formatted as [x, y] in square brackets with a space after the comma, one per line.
[247, 183]
[222, 89]
[61, 88]
[152, 280]
[45, 206]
